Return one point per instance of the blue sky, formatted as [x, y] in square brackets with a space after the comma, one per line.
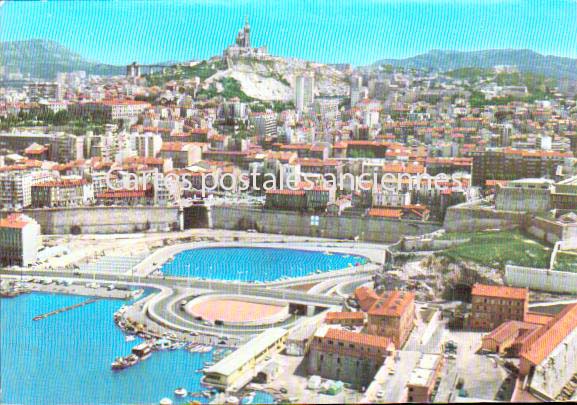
[357, 32]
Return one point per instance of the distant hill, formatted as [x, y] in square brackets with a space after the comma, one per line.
[525, 60]
[43, 59]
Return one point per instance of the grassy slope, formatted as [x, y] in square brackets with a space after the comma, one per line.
[496, 249]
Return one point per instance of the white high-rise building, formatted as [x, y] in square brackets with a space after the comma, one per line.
[304, 92]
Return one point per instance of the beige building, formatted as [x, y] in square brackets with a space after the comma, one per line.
[239, 368]
[494, 304]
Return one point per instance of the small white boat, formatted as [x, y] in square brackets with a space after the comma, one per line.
[180, 392]
[165, 401]
[130, 338]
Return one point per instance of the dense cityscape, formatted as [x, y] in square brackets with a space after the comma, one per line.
[290, 231]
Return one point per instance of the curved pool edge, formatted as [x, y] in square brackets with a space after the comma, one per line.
[160, 257]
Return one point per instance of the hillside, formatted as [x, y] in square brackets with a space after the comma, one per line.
[43, 59]
[274, 79]
[525, 60]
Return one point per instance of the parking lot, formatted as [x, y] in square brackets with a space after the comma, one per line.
[483, 377]
[293, 379]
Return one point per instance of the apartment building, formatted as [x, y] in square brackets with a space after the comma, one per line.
[19, 240]
[347, 356]
[512, 164]
[392, 315]
[493, 305]
[62, 193]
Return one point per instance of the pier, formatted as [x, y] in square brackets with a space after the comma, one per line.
[65, 309]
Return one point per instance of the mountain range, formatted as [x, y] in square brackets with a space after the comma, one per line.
[525, 60]
[43, 59]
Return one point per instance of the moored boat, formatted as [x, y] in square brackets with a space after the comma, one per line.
[180, 392]
[143, 350]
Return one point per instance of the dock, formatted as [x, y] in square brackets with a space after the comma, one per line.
[65, 309]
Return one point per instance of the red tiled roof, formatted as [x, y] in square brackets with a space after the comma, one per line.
[385, 213]
[366, 297]
[124, 102]
[14, 221]
[122, 194]
[286, 192]
[548, 337]
[62, 183]
[29, 164]
[393, 303]
[332, 316]
[362, 339]
[144, 160]
[500, 291]
[401, 168]
[176, 146]
[510, 329]
[537, 318]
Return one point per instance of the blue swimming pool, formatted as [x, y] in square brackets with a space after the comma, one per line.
[255, 264]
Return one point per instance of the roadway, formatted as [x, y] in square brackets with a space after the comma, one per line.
[226, 287]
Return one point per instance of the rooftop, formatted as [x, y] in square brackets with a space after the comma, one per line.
[499, 291]
[247, 352]
[362, 339]
[16, 221]
[548, 337]
[392, 303]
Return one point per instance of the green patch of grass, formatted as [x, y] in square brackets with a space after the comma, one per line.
[566, 262]
[499, 248]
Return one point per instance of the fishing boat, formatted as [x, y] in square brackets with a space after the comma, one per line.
[130, 338]
[165, 401]
[124, 362]
[119, 363]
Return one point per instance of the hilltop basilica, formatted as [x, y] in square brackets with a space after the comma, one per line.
[242, 48]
